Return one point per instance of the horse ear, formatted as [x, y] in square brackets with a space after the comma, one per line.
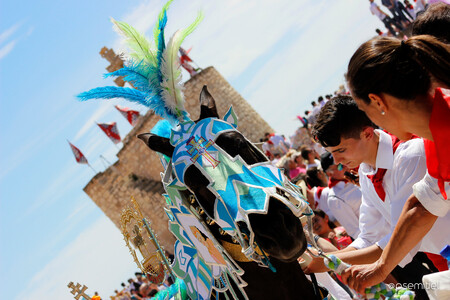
[157, 143]
[207, 105]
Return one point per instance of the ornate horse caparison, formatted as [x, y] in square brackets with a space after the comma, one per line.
[277, 231]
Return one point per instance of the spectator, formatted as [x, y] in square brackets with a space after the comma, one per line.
[410, 8]
[387, 21]
[343, 198]
[310, 157]
[315, 177]
[296, 166]
[321, 101]
[327, 230]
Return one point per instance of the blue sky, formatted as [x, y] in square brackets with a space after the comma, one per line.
[280, 55]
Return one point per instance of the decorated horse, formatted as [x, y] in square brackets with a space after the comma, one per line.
[235, 216]
[249, 207]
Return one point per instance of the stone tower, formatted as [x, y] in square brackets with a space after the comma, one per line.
[137, 172]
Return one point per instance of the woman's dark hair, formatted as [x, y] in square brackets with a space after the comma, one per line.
[339, 118]
[403, 69]
[312, 178]
[322, 214]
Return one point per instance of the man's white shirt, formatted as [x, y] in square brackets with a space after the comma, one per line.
[377, 217]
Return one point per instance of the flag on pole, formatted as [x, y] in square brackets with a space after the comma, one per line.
[79, 157]
[184, 55]
[110, 129]
[130, 115]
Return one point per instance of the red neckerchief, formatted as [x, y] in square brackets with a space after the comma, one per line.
[332, 182]
[438, 152]
[377, 178]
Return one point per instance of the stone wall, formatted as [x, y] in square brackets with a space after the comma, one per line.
[137, 172]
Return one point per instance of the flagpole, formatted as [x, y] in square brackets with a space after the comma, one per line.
[92, 168]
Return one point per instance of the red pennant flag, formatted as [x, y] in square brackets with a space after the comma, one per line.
[110, 129]
[130, 115]
[184, 55]
[80, 158]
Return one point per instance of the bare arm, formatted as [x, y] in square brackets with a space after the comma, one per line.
[349, 255]
[413, 224]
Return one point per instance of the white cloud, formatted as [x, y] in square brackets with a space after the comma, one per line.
[8, 32]
[5, 50]
[97, 258]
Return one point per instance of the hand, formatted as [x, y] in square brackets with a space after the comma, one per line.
[316, 266]
[331, 235]
[360, 277]
[352, 176]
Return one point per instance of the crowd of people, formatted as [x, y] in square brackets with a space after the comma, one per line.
[376, 163]
[139, 288]
[397, 16]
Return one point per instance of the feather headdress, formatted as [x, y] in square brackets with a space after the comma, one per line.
[154, 70]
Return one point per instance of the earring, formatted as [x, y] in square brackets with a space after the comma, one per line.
[383, 113]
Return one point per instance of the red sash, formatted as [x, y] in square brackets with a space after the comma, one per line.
[377, 178]
[438, 152]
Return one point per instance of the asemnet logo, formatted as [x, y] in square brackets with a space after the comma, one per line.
[413, 286]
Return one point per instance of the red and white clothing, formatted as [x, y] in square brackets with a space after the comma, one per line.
[344, 201]
[379, 216]
[340, 201]
[321, 199]
[405, 167]
[433, 191]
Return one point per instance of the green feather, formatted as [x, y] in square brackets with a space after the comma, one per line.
[137, 42]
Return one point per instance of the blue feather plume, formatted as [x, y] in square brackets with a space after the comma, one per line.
[109, 92]
[138, 75]
[155, 102]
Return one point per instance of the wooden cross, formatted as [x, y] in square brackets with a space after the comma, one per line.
[201, 151]
[78, 291]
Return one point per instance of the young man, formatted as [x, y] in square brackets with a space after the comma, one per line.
[388, 168]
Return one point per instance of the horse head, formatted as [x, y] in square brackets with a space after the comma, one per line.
[235, 184]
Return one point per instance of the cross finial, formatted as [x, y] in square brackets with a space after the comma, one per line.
[196, 146]
[78, 291]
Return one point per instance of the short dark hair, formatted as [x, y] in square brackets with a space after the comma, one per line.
[434, 21]
[326, 160]
[339, 118]
[320, 99]
[305, 152]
